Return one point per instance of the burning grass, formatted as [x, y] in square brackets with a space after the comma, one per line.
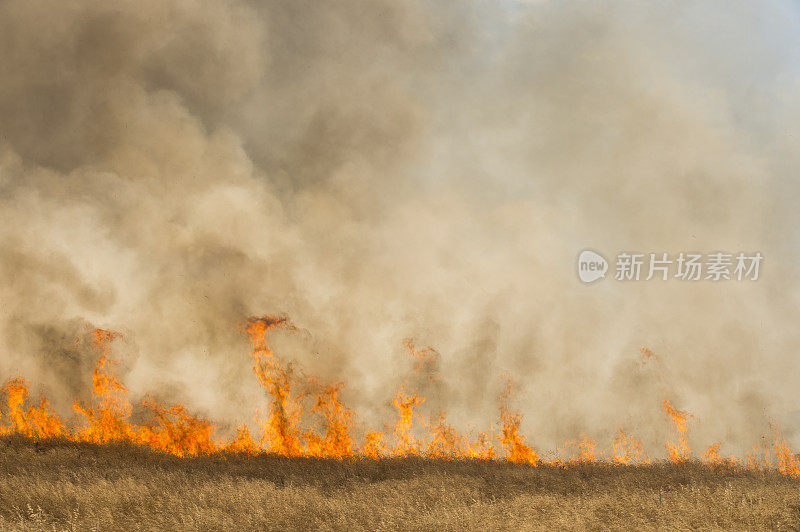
[106, 418]
[60, 484]
[101, 470]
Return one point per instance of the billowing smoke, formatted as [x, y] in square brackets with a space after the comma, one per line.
[387, 170]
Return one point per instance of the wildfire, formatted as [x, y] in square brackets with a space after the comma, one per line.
[513, 442]
[678, 452]
[445, 442]
[35, 421]
[787, 461]
[337, 421]
[626, 449]
[711, 454]
[308, 418]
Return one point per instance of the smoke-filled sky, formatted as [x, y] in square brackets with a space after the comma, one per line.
[381, 170]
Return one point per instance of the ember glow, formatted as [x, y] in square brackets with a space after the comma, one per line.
[287, 428]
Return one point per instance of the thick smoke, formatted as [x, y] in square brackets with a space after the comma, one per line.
[387, 170]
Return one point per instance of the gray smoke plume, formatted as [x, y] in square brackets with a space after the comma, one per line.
[386, 170]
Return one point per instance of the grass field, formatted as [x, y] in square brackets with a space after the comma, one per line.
[64, 485]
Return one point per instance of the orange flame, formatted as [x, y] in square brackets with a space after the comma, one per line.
[405, 405]
[35, 422]
[177, 432]
[626, 450]
[711, 454]
[374, 446]
[446, 442]
[106, 417]
[679, 452]
[512, 440]
[106, 421]
[787, 462]
[337, 418]
[482, 447]
[280, 430]
[242, 442]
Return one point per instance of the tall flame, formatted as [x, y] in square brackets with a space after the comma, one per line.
[106, 417]
[513, 442]
[787, 461]
[280, 430]
[678, 452]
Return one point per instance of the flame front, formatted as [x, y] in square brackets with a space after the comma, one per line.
[297, 406]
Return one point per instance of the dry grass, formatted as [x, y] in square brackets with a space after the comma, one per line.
[62, 485]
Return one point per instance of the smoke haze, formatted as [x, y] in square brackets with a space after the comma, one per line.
[381, 170]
